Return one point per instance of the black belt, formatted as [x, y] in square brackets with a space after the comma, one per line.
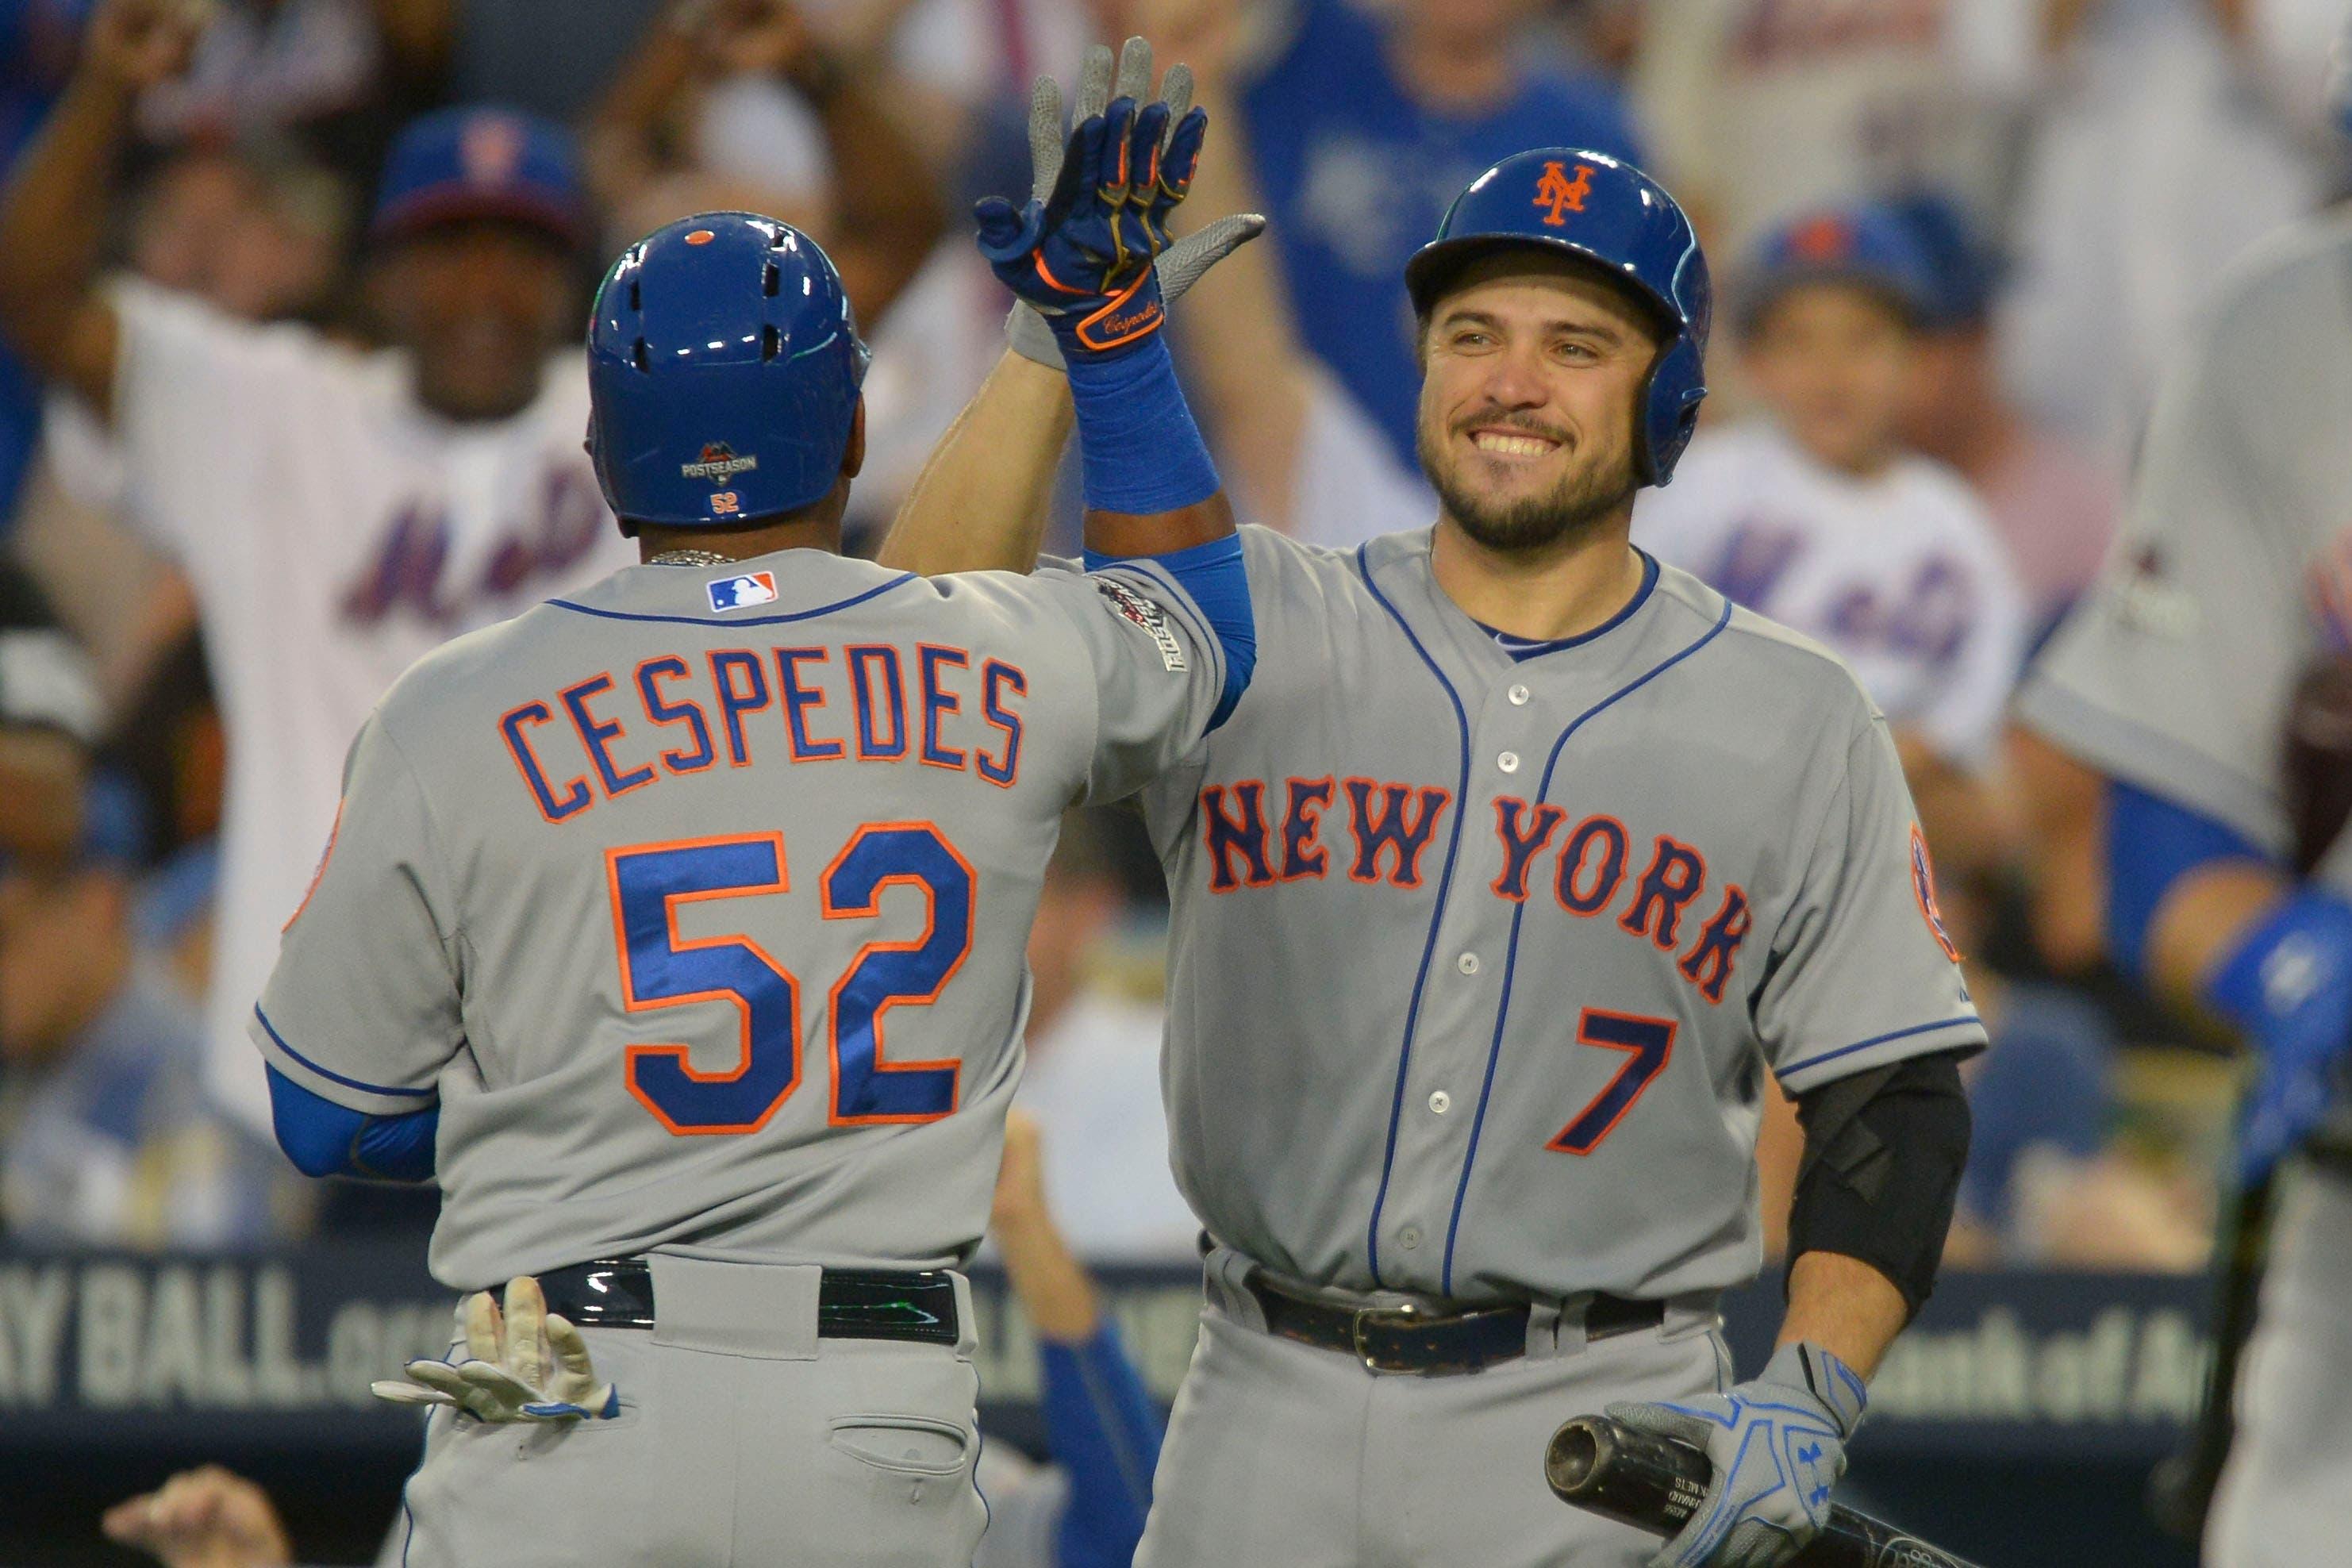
[1409, 1338]
[851, 1304]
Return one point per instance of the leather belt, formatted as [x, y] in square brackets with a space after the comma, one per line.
[851, 1304]
[1414, 1340]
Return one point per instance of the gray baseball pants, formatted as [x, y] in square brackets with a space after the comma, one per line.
[1284, 1455]
[743, 1441]
[2283, 1500]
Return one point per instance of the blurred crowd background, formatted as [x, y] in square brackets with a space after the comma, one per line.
[2042, 192]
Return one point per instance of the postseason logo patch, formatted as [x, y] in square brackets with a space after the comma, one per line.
[718, 462]
[1147, 615]
[735, 592]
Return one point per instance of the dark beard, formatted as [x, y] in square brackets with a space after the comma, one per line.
[1575, 506]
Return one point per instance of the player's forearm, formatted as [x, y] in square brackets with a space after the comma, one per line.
[1150, 486]
[981, 502]
[52, 221]
[889, 209]
[624, 134]
[1845, 1306]
[2201, 920]
[1053, 1290]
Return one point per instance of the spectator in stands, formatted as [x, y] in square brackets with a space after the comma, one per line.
[1302, 455]
[340, 512]
[1761, 109]
[1817, 516]
[106, 1135]
[342, 75]
[37, 53]
[258, 230]
[48, 719]
[2156, 157]
[1363, 127]
[1093, 1073]
[2053, 503]
[741, 104]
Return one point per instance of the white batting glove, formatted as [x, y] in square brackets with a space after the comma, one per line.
[527, 1364]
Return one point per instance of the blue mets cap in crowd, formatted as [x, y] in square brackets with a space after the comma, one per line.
[476, 162]
[1966, 269]
[1866, 245]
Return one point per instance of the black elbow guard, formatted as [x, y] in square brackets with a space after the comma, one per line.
[1884, 1152]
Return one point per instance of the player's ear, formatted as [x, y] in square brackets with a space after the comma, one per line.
[853, 455]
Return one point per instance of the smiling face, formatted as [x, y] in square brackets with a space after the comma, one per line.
[1534, 368]
[479, 304]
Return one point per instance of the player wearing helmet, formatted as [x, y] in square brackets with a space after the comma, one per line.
[1522, 861]
[675, 927]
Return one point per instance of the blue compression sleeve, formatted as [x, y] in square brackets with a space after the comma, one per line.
[1138, 446]
[324, 1139]
[2152, 843]
[1219, 582]
[1103, 1431]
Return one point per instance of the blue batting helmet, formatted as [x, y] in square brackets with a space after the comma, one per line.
[1606, 212]
[723, 372]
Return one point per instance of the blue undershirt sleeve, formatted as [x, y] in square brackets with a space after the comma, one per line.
[324, 1139]
[2151, 843]
[1215, 575]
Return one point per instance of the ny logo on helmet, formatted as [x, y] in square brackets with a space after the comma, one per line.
[1562, 194]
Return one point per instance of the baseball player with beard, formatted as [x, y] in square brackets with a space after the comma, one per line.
[1521, 863]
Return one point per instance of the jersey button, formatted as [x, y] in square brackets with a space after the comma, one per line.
[1468, 964]
[1519, 695]
[1408, 1237]
[1508, 762]
[1440, 1103]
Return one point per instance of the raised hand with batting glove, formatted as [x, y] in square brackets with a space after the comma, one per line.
[1180, 264]
[524, 1364]
[1081, 251]
[1778, 1446]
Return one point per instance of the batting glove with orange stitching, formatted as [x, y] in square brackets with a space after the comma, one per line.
[1083, 256]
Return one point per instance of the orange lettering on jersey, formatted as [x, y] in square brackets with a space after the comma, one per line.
[1558, 194]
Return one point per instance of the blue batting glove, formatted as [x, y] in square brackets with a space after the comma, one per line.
[1083, 256]
[1778, 1446]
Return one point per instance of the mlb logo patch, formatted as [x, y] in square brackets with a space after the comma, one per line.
[735, 592]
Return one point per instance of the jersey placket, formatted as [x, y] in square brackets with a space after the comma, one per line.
[1538, 742]
[1447, 1059]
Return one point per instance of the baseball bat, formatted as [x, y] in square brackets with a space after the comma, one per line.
[2317, 774]
[1654, 1484]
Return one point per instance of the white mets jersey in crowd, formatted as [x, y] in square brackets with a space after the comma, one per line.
[335, 531]
[1900, 574]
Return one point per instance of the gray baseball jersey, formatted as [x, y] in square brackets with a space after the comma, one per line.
[2234, 569]
[699, 900]
[1478, 959]
[2235, 565]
